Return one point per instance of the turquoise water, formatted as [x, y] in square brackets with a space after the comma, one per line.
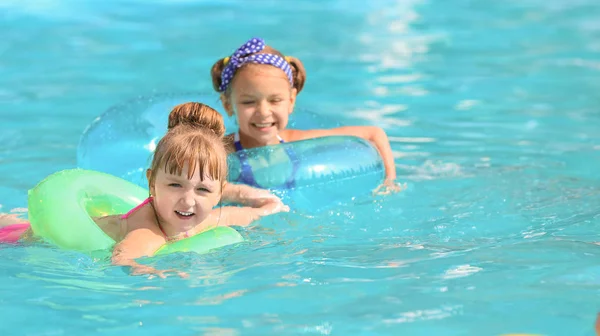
[492, 112]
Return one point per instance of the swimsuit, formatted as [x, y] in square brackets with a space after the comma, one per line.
[247, 177]
[11, 234]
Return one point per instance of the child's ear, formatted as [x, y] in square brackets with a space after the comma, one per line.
[226, 104]
[293, 95]
[150, 187]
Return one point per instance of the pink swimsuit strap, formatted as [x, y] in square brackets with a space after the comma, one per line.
[146, 201]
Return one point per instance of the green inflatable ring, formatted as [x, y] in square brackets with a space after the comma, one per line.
[62, 205]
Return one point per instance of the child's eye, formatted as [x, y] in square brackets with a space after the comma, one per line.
[175, 185]
[204, 190]
[276, 100]
[247, 102]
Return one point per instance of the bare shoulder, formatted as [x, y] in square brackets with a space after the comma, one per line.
[105, 220]
[143, 220]
[112, 225]
[366, 132]
[297, 135]
[291, 135]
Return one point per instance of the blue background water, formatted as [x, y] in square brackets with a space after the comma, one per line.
[492, 112]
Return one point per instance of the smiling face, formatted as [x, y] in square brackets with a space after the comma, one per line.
[181, 203]
[186, 177]
[261, 98]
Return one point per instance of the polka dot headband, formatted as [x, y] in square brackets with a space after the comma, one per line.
[247, 54]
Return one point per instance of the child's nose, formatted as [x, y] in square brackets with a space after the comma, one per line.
[263, 108]
[188, 200]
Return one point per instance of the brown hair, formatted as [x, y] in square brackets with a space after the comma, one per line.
[298, 72]
[195, 140]
[197, 115]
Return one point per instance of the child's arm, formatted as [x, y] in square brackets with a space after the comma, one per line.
[242, 216]
[247, 195]
[141, 242]
[375, 135]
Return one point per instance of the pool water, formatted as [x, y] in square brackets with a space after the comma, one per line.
[492, 112]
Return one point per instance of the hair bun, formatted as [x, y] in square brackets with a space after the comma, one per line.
[197, 115]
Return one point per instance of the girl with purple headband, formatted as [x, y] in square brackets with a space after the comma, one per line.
[259, 85]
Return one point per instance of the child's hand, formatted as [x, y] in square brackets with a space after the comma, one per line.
[151, 271]
[389, 186]
[244, 216]
[247, 195]
[257, 198]
[273, 207]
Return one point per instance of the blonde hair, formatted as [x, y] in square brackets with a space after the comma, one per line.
[194, 139]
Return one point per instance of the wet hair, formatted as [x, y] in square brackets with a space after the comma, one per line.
[195, 140]
[298, 72]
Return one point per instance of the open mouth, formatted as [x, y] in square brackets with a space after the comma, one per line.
[184, 214]
[263, 125]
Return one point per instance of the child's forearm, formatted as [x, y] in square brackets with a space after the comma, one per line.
[238, 216]
[139, 269]
[382, 143]
[246, 195]
[232, 193]
[121, 259]
[239, 193]
[126, 251]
